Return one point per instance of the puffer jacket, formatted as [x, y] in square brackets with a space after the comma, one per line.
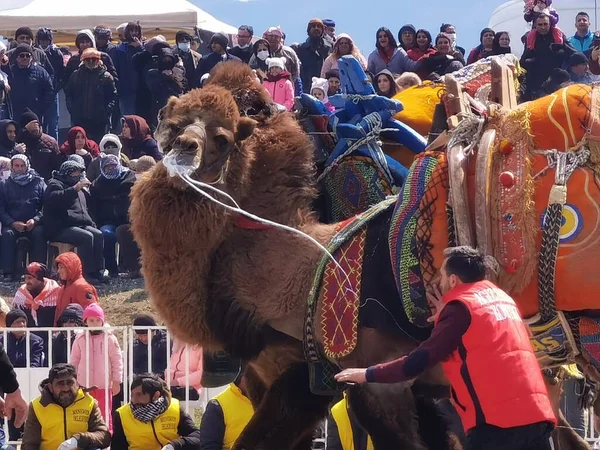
[98, 346]
[30, 88]
[21, 203]
[177, 370]
[110, 199]
[91, 95]
[281, 91]
[75, 62]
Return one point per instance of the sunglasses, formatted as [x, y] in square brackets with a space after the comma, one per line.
[25, 55]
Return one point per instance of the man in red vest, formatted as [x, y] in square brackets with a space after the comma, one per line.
[484, 348]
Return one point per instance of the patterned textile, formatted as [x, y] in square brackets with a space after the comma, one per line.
[589, 330]
[353, 186]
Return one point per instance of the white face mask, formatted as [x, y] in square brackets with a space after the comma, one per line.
[245, 46]
[184, 46]
[452, 37]
[262, 55]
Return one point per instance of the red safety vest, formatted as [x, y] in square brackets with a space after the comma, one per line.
[494, 373]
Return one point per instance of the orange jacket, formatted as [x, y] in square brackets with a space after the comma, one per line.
[494, 373]
[75, 289]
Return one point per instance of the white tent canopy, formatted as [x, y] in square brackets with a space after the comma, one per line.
[73, 15]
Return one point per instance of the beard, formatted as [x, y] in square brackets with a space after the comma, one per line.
[65, 399]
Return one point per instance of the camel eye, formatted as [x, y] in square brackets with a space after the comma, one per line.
[222, 141]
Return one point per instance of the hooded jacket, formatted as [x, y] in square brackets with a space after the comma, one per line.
[141, 141]
[178, 363]
[75, 62]
[96, 436]
[281, 90]
[75, 289]
[42, 151]
[164, 83]
[60, 341]
[68, 147]
[56, 59]
[21, 203]
[7, 147]
[110, 199]
[411, 28]
[332, 61]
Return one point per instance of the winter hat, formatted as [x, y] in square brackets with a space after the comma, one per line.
[44, 34]
[72, 313]
[38, 270]
[61, 371]
[93, 310]
[111, 150]
[329, 23]
[90, 53]
[23, 48]
[122, 26]
[103, 31]
[322, 84]
[24, 31]
[23, 158]
[86, 33]
[150, 43]
[333, 73]
[14, 315]
[407, 27]
[559, 76]
[315, 22]
[77, 159]
[28, 115]
[276, 62]
[143, 320]
[2, 46]
[181, 36]
[577, 58]
[221, 39]
[144, 164]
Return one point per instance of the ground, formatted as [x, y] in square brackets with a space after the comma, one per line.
[121, 299]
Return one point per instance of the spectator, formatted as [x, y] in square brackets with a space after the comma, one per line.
[121, 32]
[278, 83]
[583, 38]
[77, 143]
[151, 403]
[109, 145]
[15, 344]
[450, 31]
[62, 341]
[137, 140]
[313, 52]
[190, 58]
[67, 219]
[103, 38]
[407, 37]
[160, 350]
[38, 296]
[5, 109]
[406, 80]
[186, 359]
[388, 56]
[4, 310]
[83, 41]
[485, 47]
[261, 52]
[593, 61]
[243, 50]
[422, 50]
[63, 405]
[344, 45]
[21, 197]
[385, 84]
[110, 200]
[329, 34]
[445, 59]
[533, 10]
[31, 86]
[165, 81]
[41, 149]
[91, 95]
[226, 416]
[344, 431]
[92, 355]
[24, 35]
[128, 79]
[333, 78]
[292, 64]
[74, 288]
[579, 69]
[8, 137]
[319, 89]
[501, 45]
[219, 53]
[4, 168]
[44, 40]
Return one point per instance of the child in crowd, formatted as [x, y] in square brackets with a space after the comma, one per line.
[278, 83]
[75, 289]
[91, 355]
[406, 80]
[533, 8]
[71, 317]
[319, 90]
[190, 357]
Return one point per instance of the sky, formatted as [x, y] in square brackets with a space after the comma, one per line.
[469, 16]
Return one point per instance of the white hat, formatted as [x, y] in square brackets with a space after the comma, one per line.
[322, 84]
[122, 26]
[114, 139]
[276, 62]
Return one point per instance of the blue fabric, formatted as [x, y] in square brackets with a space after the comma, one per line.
[16, 350]
[127, 104]
[50, 119]
[31, 88]
[21, 203]
[110, 240]
[582, 44]
[128, 76]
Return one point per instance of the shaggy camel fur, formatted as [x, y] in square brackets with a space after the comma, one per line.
[222, 286]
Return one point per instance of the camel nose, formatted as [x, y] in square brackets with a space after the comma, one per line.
[186, 144]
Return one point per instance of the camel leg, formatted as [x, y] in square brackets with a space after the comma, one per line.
[287, 415]
[434, 429]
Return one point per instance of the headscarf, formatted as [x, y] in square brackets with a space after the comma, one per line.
[111, 173]
[65, 172]
[140, 131]
[22, 179]
[78, 159]
[68, 148]
[163, 55]
[5, 143]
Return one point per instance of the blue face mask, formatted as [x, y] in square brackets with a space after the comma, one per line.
[184, 46]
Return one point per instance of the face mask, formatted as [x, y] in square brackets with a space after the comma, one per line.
[452, 37]
[184, 46]
[262, 55]
[245, 46]
[224, 56]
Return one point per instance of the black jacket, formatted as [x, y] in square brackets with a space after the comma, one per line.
[110, 199]
[21, 203]
[162, 87]
[65, 207]
[244, 54]
[17, 350]
[42, 152]
[39, 57]
[90, 95]
[59, 347]
[30, 88]
[8, 377]
[208, 62]
[160, 354]
[311, 57]
[57, 61]
[75, 62]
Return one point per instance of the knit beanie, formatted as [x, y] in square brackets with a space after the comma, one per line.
[28, 115]
[94, 310]
[113, 139]
[90, 53]
[103, 32]
[322, 84]
[72, 313]
[14, 315]
[23, 48]
[276, 62]
[144, 164]
[143, 320]
[317, 22]
[221, 39]
[24, 31]
[86, 33]
[38, 270]
[23, 158]
[329, 23]
[577, 58]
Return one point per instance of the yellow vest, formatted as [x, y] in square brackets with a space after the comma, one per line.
[237, 412]
[59, 424]
[152, 435]
[339, 412]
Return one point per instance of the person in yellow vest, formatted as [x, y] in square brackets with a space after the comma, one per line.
[153, 420]
[226, 416]
[64, 417]
[343, 430]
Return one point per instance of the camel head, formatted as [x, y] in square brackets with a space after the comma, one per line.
[203, 130]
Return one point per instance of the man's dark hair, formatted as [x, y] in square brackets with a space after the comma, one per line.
[445, 26]
[150, 383]
[247, 28]
[466, 263]
[61, 371]
[582, 13]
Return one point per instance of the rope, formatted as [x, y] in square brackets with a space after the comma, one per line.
[467, 133]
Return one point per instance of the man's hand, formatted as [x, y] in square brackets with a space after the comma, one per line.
[30, 225]
[136, 42]
[19, 226]
[595, 53]
[16, 406]
[20, 148]
[69, 444]
[352, 376]
[434, 298]
[116, 387]
[82, 184]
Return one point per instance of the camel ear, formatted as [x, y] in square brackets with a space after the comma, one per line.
[168, 108]
[245, 128]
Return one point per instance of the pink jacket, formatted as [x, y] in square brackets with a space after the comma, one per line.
[96, 358]
[177, 369]
[282, 92]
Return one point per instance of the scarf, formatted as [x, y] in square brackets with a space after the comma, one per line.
[110, 167]
[276, 78]
[386, 54]
[148, 413]
[64, 174]
[22, 179]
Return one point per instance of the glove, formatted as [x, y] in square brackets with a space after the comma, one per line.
[69, 444]
[168, 447]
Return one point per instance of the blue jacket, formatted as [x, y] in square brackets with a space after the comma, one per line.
[30, 88]
[17, 350]
[127, 83]
[21, 203]
[209, 61]
[582, 44]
